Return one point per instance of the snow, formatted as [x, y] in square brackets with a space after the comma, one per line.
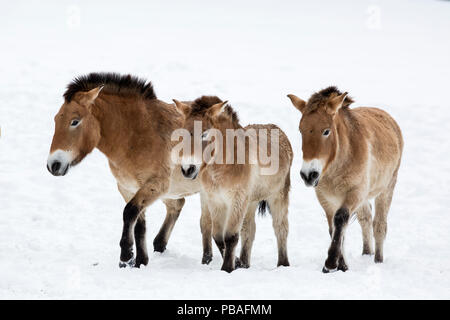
[59, 237]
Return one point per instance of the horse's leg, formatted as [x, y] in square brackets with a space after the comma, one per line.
[141, 242]
[247, 236]
[382, 205]
[173, 208]
[206, 229]
[279, 209]
[364, 215]
[218, 219]
[146, 195]
[329, 212]
[237, 212]
[335, 260]
[139, 234]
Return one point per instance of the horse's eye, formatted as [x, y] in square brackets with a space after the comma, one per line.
[326, 132]
[74, 122]
[204, 135]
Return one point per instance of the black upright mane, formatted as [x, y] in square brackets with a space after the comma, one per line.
[320, 98]
[202, 104]
[113, 83]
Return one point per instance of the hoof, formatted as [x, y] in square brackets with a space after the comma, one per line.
[227, 269]
[207, 258]
[241, 264]
[159, 246]
[342, 266]
[367, 251]
[326, 270]
[378, 259]
[141, 261]
[130, 263]
[283, 263]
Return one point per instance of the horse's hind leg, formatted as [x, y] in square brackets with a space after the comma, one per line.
[364, 215]
[279, 209]
[247, 236]
[173, 212]
[382, 205]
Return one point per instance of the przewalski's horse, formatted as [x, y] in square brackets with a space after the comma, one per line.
[121, 116]
[350, 156]
[232, 186]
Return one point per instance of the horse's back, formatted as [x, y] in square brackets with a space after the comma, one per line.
[266, 184]
[381, 129]
[386, 145]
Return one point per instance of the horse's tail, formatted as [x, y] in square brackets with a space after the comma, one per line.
[263, 207]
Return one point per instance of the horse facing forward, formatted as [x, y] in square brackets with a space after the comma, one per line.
[233, 187]
[121, 116]
[350, 156]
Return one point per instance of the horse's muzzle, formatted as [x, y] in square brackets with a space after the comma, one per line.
[189, 172]
[311, 178]
[56, 168]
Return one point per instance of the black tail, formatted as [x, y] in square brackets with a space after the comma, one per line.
[263, 207]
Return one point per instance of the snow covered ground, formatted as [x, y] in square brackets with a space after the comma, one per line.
[59, 236]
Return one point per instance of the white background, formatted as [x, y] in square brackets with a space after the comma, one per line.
[59, 236]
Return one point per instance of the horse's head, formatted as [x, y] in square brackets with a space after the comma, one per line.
[198, 120]
[77, 132]
[318, 130]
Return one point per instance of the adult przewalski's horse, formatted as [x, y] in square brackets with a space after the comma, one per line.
[121, 116]
[350, 156]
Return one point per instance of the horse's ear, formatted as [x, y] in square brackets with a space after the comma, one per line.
[217, 109]
[88, 98]
[335, 103]
[297, 102]
[182, 107]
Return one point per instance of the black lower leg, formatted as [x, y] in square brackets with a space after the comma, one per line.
[334, 253]
[141, 246]
[207, 250]
[229, 259]
[130, 214]
[220, 245]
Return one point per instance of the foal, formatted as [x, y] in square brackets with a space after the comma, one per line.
[121, 116]
[350, 156]
[233, 187]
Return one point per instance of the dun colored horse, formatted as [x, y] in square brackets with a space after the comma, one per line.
[231, 190]
[121, 116]
[350, 156]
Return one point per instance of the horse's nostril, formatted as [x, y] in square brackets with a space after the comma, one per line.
[303, 176]
[190, 170]
[56, 166]
[314, 175]
[183, 171]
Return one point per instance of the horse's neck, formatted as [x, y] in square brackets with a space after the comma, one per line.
[118, 124]
[345, 136]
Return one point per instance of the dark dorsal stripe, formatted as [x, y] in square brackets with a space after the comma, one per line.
[113, 82]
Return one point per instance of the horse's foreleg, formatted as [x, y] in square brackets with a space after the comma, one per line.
[231, 236]
[206, 229]
[247, 236]
[335, 260]
[146, 195]
[173, 212]
[141, 243]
